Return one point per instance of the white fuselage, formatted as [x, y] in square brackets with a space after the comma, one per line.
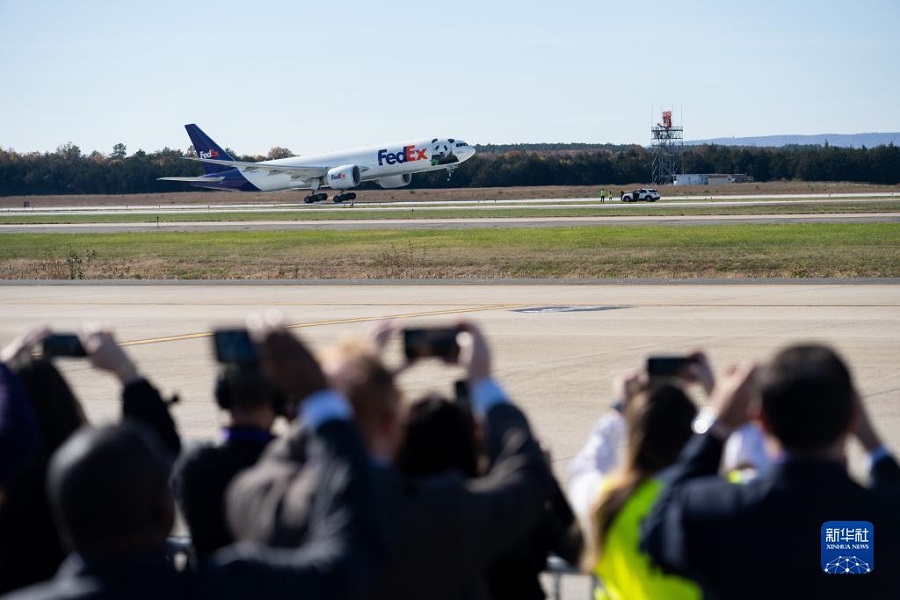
[374, 162]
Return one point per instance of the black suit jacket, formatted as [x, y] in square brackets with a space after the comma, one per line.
[343, 547]
[516, 573]
[199, 479]
[338, 558]
[444, 530]
[30, 547]
[145, 577]
[762, 539]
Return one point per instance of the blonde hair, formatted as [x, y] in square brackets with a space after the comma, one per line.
[354, 367]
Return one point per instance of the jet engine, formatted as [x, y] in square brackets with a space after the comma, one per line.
[395, 181]
[343, 177]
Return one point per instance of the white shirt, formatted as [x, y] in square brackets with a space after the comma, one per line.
[595, 461]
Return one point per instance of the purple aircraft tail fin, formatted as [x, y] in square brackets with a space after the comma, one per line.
[207, 148]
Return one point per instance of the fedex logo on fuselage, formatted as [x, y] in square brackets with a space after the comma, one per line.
[210, 154]
[405, 155]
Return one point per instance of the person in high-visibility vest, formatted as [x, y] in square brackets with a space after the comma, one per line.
[655, 420]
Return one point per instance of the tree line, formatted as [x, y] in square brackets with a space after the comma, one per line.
[69, 171]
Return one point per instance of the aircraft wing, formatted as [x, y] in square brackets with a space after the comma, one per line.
[299, 172]
[193, 179]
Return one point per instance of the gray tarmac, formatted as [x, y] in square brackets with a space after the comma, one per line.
[556, 347]
[158, 217]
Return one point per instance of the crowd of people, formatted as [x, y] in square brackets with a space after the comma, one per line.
[371, 493]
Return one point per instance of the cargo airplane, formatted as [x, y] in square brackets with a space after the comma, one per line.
[389, 165]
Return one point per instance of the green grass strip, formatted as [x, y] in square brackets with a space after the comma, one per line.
[700, 251]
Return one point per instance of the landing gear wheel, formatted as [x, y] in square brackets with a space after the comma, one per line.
[342, 197]
[309, 200]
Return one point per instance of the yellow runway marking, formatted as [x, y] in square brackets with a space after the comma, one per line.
[432, 313]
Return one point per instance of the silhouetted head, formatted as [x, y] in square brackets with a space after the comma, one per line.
[108, 489]
[58, 412]
[246, 387]
[438, 435]
[807, 397]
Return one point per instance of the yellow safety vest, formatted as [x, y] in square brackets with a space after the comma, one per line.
[626, 573]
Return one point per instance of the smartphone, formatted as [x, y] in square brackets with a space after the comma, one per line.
[234, 346]
[424, 342]
[63, 344]
[668, 366]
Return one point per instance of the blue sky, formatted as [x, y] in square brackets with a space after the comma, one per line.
[317, 78]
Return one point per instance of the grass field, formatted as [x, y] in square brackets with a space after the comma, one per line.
[566, 253]
[701, 251]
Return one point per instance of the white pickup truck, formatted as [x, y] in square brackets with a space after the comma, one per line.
[648, 194]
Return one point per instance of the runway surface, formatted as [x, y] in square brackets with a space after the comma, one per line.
[385, 215]
[556, 348]
[38, 206]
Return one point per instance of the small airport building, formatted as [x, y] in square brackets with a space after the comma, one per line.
[710, 179]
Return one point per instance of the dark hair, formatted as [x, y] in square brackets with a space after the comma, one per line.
[108, 488]
[439, 435]
[807, 396]
[241, 386]
[659, 423]
[58, 411]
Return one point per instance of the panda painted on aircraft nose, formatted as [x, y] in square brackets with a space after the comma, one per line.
[442, 152]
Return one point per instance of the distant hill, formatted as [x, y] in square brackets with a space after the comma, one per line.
[549, 148]
[844, 140]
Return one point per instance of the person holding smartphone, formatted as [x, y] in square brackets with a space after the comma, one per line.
[613, 480]
[109, 489]
[720, 534]
[31, 549]
[446, 528]
[251, 404]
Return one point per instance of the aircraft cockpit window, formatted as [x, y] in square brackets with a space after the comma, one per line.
[461, 144]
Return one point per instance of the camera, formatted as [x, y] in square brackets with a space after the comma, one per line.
[668, 366]
[234, 346]
[424, 342]
[63, 344]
